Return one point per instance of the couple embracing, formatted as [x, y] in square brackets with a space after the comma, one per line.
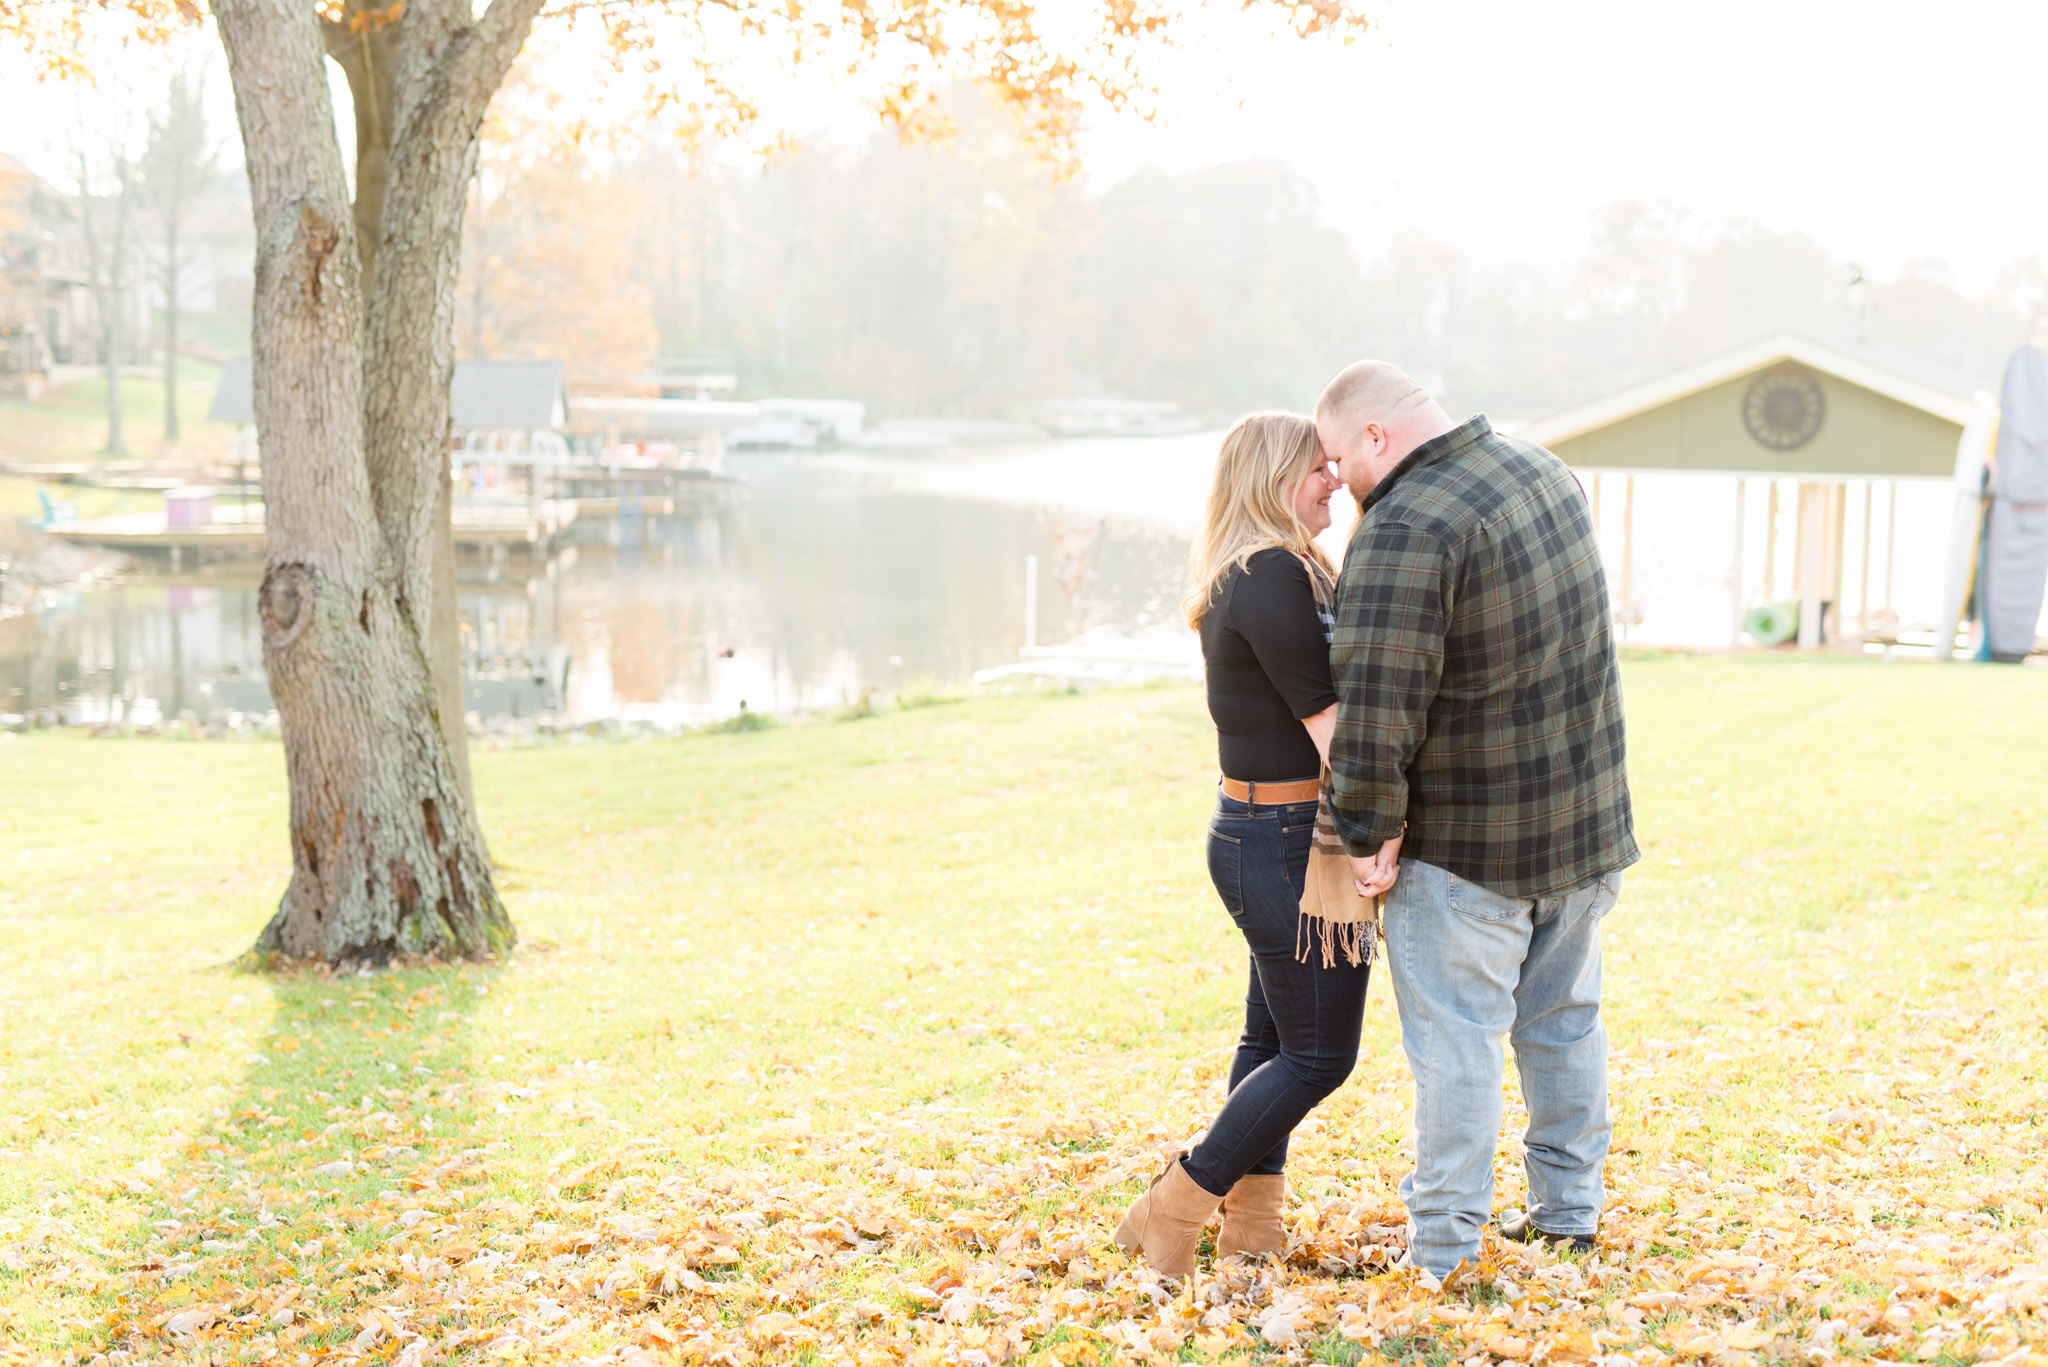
[1455, 687]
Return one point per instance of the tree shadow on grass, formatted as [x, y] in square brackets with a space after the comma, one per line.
[277, 1229]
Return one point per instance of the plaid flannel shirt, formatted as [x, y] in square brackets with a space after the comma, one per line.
[1479, 700]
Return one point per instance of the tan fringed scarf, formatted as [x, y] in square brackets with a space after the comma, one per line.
[1332, 910]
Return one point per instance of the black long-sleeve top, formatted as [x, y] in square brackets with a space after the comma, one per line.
[1268, 666]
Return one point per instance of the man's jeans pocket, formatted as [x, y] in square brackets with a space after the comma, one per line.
[1606, 891]
[1477, 903]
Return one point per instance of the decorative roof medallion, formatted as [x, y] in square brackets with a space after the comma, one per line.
[1784, 407]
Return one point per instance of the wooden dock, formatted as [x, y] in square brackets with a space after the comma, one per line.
[152, 531]
[514, 523]
[507, 525]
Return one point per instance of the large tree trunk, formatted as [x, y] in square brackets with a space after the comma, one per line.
[386, 857]
[448, 69]
[369, 54]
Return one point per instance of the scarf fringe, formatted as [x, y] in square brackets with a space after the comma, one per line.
[1355, 940]
[1333, 918]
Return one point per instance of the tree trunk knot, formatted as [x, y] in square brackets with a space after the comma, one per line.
[285, 602]
[318, 224]
[405, 886]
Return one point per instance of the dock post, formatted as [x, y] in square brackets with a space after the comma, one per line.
[1891, 538]
[1771, 541]
[1838, 558]
[1735, 598]
[1810, 563]
[1030, 602]
[1863, 587]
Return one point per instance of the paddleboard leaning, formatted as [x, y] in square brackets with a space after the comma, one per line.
[1959, 570]
[2016, 556]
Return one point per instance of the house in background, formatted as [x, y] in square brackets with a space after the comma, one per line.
[49, 315]
[49, 308]
[502, 413]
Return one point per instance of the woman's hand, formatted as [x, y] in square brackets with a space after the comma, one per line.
[1321, 728]
[1375, 875]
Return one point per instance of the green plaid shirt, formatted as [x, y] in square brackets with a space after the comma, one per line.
[1479, 700]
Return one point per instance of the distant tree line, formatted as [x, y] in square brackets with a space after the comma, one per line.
[1659, 288]
[963, 279]
[147, 243]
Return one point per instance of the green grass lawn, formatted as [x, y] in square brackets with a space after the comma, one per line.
[69, 423]
[847, 1043]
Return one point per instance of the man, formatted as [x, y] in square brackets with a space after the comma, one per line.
[1478, 780]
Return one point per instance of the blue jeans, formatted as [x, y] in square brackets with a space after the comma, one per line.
[1301, 1020]
[1470, 965]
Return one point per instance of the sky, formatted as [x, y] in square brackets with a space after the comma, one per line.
[1891, 132]
[1888, 131]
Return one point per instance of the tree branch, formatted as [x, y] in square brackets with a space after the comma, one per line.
[485, 54]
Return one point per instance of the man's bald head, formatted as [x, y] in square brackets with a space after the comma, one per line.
[1370, 417]
[1368, 391]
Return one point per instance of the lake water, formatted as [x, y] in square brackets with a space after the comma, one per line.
[809, 580]
[803, 583]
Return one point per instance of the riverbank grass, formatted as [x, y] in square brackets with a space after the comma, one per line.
[69, 422]
[846, 1042]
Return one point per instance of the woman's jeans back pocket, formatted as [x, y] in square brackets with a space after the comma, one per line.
[1226, 868]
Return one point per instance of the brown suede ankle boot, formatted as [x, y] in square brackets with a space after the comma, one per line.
[1251, 1218]
[1165, 1224]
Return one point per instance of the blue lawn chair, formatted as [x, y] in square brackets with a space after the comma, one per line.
[57, 512]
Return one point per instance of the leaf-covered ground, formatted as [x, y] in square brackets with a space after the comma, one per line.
[847, 1043]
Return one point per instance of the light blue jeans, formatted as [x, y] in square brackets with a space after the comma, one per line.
[1468, 966]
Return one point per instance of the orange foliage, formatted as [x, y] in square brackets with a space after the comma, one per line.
[547, 269]
[59, 33]
[680, 51]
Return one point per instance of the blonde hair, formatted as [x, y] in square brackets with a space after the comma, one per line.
[1263, 462]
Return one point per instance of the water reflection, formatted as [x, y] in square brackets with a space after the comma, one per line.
[805, 583]
[809, 580]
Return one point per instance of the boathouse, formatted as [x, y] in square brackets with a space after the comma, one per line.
[1782, 408]
[494, 406]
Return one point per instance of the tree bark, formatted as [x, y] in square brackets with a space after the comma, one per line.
[368, 56]
[449, 68]
[371, 59]
[385, 856]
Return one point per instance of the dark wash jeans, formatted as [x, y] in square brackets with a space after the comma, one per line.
[1301, 1020]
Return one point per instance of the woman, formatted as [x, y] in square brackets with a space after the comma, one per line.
[1260, 596]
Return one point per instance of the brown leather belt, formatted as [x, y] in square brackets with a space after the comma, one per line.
[1264, 794]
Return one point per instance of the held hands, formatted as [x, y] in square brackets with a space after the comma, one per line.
[1375, 874]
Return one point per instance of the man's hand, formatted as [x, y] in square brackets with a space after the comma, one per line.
[1376, 874]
